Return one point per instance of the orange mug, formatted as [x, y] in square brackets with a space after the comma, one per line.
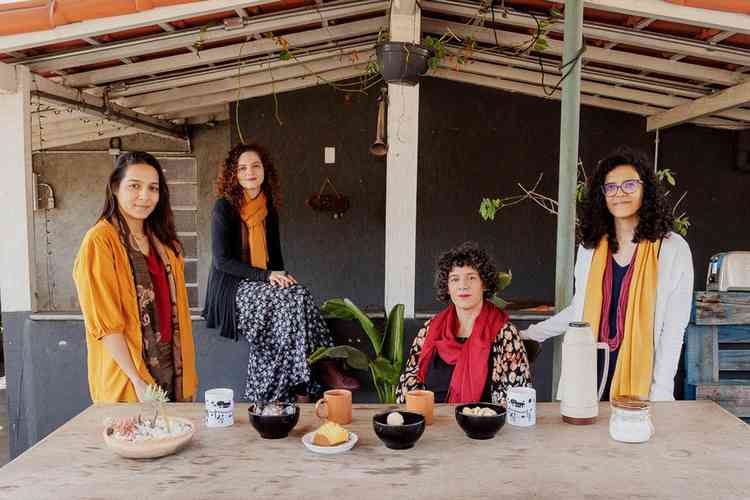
[421, 402]
[338, 405]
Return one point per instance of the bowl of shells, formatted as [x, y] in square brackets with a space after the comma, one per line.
[480, 420]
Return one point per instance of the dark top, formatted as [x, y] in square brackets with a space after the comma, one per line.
[618, 274]
[228, 268]
[438, 379]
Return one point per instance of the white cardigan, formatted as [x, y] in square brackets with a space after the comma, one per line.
[674, 297]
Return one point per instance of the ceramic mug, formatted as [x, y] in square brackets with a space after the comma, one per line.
[522, 406]
[219, 407]
[422, 402]
[338, 406]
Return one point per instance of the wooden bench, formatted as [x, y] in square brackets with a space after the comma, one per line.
[717, 358]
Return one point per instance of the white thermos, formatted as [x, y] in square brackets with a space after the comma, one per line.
[577, 391]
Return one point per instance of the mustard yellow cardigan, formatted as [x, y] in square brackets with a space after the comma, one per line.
[107, 295]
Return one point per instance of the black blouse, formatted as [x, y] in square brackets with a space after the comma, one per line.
[439, 374]
[228, 268]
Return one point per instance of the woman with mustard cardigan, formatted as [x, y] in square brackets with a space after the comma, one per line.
[129, 274]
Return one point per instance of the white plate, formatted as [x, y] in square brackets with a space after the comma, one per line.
[307, 440]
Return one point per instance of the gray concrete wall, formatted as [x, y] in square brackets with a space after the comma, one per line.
[79, 181]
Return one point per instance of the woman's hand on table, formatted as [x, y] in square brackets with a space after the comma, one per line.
[281, 279]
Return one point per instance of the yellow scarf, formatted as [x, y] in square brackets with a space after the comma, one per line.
[253, 214]
[635, 361]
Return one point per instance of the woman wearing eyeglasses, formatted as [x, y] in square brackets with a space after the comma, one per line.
[633, 278]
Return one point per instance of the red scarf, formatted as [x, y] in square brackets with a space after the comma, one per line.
[622, 304]
[470, 359]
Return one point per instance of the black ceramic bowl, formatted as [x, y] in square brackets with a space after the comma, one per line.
[399, 437]
[274, 426]
[479, 427]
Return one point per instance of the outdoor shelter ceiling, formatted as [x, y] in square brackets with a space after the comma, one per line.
[164, 63]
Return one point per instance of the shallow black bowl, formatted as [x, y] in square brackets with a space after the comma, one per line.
[399, 437]
[477, 427]
[273, 426]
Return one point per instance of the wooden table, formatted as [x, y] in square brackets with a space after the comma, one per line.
[699, 451]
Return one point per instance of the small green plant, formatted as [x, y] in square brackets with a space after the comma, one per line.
[388, 346]
[503, 280]
[489, 207]
[157, 398]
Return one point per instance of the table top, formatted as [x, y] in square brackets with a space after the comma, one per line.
[699, 451]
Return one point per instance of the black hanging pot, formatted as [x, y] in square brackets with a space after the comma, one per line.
[401, 62]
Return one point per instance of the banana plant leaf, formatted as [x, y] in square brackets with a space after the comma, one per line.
[352, 356]
[394, 336]
[385, 371]
[345, 309]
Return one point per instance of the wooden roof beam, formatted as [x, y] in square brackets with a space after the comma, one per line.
[719, 102]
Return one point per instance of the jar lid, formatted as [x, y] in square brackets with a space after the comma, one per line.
[630, 402]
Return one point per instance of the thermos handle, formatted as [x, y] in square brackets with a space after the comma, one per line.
[605, 373]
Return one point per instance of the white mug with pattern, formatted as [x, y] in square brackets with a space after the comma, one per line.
[522, 406]
[219, 407]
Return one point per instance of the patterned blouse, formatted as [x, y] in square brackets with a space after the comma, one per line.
[159, 356]
[510, 365]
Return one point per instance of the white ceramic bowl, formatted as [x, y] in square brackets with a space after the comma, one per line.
[307, 440]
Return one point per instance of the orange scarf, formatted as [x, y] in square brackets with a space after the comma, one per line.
[253, 214]
[635, 361]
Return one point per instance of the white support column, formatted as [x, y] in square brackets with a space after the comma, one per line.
[17, 276]
[8, 82]
[401, 177]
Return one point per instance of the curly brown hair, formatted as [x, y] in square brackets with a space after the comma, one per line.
[467, 254]
[227, 185]
[654, 217]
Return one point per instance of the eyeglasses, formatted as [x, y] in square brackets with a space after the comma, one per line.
[629, 186]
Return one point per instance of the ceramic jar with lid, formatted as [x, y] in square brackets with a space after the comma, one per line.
[630, 421]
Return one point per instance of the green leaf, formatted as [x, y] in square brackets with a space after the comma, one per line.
[345, 309]
[580, 191]
[681, 225]
[504, 279]
[336, 308]
[384, 371]
[487, 209]
[394, 336]
[317, 355]
[670, 178]
[541, 44]
[284, 55]
[500, 303]
[353, 356]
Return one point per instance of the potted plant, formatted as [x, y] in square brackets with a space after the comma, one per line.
[388, 346]
[402, 62]
[151, 436]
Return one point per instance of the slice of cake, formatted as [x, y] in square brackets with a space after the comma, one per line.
[330, 434]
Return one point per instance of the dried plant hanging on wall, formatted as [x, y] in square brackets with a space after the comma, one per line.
[334, 203]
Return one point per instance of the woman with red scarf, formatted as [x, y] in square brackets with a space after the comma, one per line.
[470, 351]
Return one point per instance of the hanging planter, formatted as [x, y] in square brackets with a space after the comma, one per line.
[401, 62]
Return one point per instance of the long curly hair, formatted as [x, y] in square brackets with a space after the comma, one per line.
[467, 254]
[161, 221]
[227, 186]
[654, 217]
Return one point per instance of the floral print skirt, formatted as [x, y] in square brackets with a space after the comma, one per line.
[283, 327]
